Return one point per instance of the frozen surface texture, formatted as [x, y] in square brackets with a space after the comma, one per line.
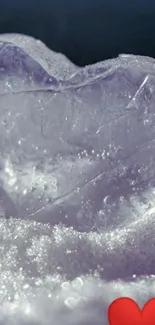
[77, 184]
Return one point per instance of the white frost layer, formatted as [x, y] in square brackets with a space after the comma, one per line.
[32, 292]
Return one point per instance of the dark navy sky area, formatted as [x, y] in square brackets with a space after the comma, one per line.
[86, 31]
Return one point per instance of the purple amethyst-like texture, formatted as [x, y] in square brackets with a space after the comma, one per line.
[77, 184]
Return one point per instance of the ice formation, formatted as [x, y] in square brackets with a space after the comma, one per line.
[77, 184]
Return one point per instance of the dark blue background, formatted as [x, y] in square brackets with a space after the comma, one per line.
[86, 31]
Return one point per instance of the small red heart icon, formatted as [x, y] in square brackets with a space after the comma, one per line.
[125, 311]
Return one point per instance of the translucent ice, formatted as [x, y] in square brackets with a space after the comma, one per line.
[77, 184]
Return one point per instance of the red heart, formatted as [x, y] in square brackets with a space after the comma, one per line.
[125, 311]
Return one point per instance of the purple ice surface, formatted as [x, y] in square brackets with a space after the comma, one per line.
[77, 184]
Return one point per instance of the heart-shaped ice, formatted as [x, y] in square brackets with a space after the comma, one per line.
[77, 154]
